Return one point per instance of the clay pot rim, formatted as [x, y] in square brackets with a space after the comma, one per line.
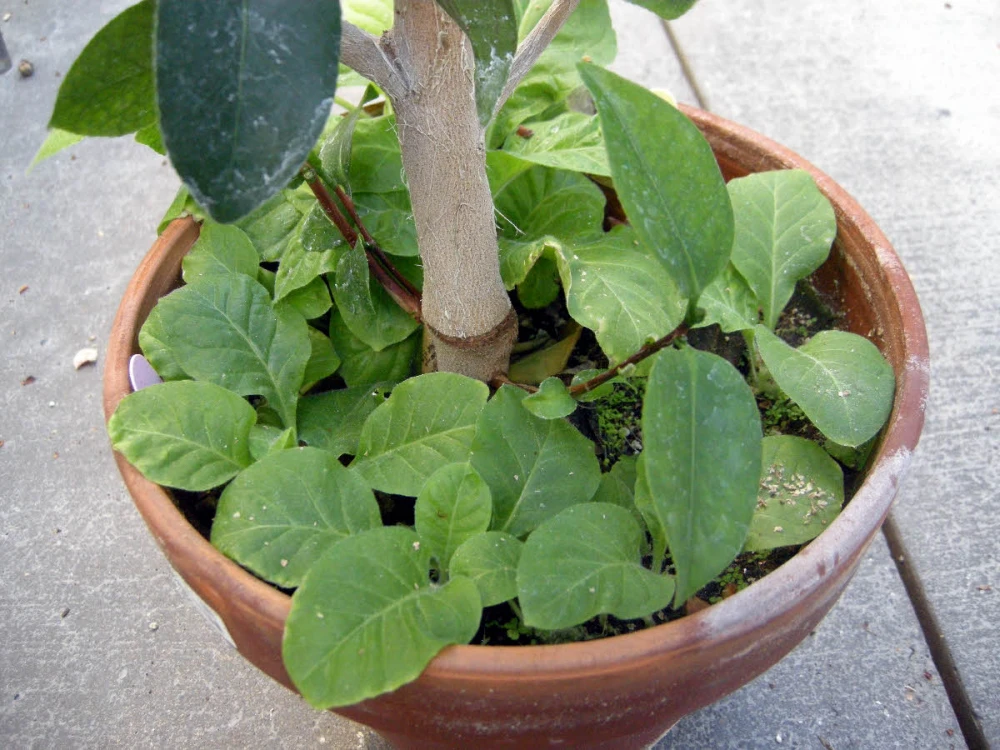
[730, 619]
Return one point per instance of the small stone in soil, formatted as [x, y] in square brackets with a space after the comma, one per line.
[64, 613]
[25, 68]
[154, 626]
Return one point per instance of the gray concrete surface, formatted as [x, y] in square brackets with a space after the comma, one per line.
[99, 648]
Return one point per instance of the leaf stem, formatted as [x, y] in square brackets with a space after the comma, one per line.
[498, 380]
[646, 351]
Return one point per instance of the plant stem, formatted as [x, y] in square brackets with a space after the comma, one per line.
[500, 380]
[646, 351]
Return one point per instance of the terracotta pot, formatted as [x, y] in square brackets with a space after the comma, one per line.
[622, 692]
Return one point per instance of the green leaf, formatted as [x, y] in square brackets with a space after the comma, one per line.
[453, 506]
[266, 439]
[335, 153]
[619, 291]
[220, 249]
[668, 9]
[313, 250]
[784, 229]
[667, 179]
[333, 420]
[801, 491]
[492, 30]
[279, 516]
[701, 462]
[840, 380]
[541, 286]
[274, 226]
[153, 341]
[223, 329]
[374, 16]
[388, 217]
[361, 365]
[182, 205]
[490, 560]
[323, 359]
[244, 90]
[571, 141]
[366, 308]
[551, 401]
[427, 422]
[55, 141]
[618, 486]
[109, 89]
[584, 562]
[367, 619]
[310, 301]
[376, 161]
[189, 435]
[729, 302]
[534, 467]
[152, 137]
[547, 362]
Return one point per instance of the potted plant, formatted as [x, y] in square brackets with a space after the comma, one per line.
[572, 462]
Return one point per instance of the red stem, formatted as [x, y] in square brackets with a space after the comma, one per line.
[647, 351]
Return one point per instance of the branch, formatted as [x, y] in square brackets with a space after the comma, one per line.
[647, 351]
[534, 45]
[365, 54]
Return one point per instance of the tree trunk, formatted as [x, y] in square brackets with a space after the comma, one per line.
[470, 325]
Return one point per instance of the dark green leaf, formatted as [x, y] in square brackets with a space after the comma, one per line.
[109, 89]
[361, 365]
[534, 467]
[840, 380]
[189, 435]
[279, 516]
[428, 422]
[367, 619]
[801, 491]
[584, 562]
[244, 90]
[701, 437]
[667, 179]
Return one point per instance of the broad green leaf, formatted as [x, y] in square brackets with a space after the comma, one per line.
[701, 462]
[364, 305]
[244, 90]
[368, 619]
[273, 226]
[189, 435]
[55, 141]
[784, 229]
[453, 506]
[619, 291]
[540, 287]
[490, 560]
[224, 330]
[389, 219]
[361, 365]
[492, 31]
[376, 161]
[152, 137]
[534, 467]
[310, 301]
[571, 141]
[220, 248]
[333, 420]
[428, 422]
[551, 401]
[667, 179]
[374, 16]
[313, 250]
[335, 153]
[840, 380]
[653, 513]
[323, 359]
[281, 515]
[618, 486]
[668, 9]
[801, 491]
[584, 562]
[265, 439]
[153, 338]
[547, 362]
[729, 302]
[109, 89]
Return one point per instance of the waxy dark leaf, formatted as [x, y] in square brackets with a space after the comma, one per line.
[244, 89]
[109, 89]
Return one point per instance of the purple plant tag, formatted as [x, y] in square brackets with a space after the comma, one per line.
[141, 373]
